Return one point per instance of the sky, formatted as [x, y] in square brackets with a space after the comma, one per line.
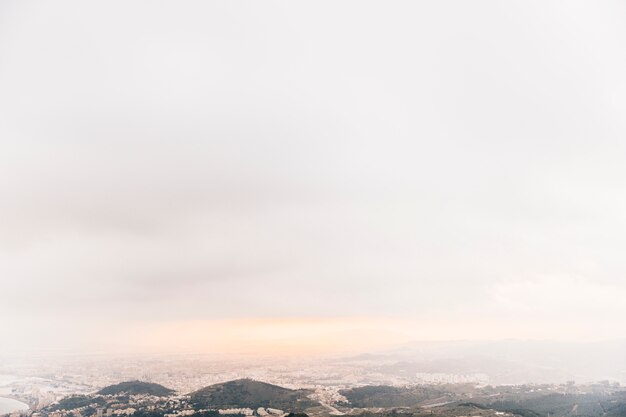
[190, 176]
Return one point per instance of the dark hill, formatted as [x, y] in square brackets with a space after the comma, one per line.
[248, 393]
[136, 388]
[76, 401]
[388, 396]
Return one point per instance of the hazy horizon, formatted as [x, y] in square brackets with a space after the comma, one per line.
[311, 178]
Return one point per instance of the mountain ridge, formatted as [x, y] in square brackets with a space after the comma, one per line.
[136, 387]
[249, 393]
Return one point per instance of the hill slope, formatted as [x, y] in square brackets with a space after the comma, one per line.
[136, 388]
[388, 396]
[248, 393]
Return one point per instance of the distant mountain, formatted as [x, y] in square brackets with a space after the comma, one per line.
[136, 388]
[247, 393]
[512, 362]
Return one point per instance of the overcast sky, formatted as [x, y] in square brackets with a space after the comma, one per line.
[436, 170]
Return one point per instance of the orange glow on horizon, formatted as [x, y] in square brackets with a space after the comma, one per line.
[294, 336]
[280, 336]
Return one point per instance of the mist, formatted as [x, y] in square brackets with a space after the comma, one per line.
[317, 179]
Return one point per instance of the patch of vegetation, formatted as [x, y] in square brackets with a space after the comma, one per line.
[387, 396]
[77, 401]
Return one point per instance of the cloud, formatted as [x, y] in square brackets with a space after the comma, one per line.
[219, 162]
[560, 295]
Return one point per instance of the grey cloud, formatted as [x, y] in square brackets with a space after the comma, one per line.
[171, 158]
